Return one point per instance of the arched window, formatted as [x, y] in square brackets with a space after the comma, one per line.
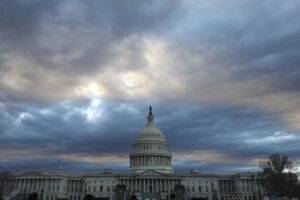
[101, 188]
[200, 189]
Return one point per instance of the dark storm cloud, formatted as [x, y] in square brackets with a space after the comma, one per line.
[56, 130]
[20, 19]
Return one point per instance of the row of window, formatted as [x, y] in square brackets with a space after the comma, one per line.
[150, 135]
[101, 181]
[192, 189]
[101, 189]
[35, 187]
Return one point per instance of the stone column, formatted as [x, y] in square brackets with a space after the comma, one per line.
[24, 185]
[136, 185]
[140, 185]
[31, 184]
[19, 186]
[28, 185]
[143, 160]
[146, 185]
[37, 186]
[167, 186]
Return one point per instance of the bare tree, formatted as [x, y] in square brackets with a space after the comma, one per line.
[279, 177]
[7, 183]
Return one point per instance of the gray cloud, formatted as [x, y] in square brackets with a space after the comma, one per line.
[74, 77]
[64, 130]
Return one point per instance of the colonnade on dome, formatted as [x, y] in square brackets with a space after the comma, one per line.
[150, 160]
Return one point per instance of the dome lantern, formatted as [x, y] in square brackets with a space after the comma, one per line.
[150, 117]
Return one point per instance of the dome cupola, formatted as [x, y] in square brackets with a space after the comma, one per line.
[150, 131]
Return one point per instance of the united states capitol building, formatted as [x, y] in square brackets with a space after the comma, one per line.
[150, 176]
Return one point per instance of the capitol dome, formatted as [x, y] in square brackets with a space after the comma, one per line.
[150, 150]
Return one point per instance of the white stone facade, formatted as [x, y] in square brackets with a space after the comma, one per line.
[150, 176]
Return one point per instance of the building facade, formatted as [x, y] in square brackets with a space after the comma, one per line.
[150, 176]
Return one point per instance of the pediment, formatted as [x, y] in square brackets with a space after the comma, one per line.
[151, 173]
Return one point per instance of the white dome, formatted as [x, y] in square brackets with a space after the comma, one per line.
[150, 150]
[151, 132]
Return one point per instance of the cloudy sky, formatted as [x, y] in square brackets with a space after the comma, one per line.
[77, 77]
